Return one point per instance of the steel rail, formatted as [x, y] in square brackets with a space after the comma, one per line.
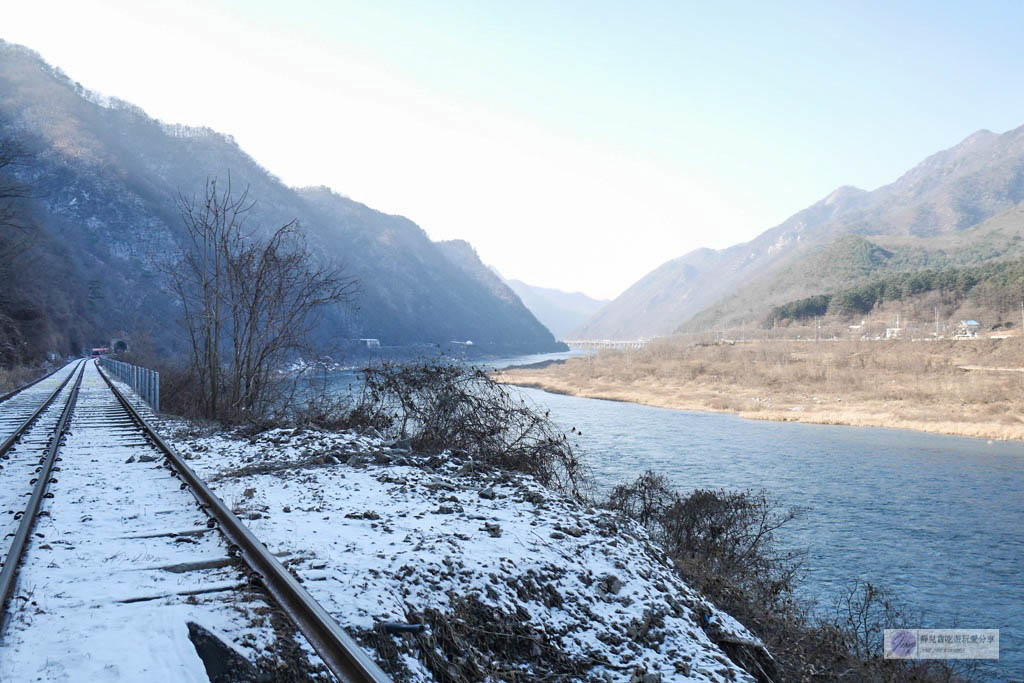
[31, 384]
[17, 434]
[42, 480]
[339, 652]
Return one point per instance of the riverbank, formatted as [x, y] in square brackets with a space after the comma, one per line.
[964, 388]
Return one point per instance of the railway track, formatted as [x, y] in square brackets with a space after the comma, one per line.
[9, 394]
[122, 546]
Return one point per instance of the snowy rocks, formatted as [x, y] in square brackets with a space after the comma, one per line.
[487, 493]
[403, 445]
[610, 584]
[639, 677]
[573, 531]
[368, 514]
[221, 662]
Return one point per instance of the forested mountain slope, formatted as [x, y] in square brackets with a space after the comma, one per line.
[103, 178]
[933, 206]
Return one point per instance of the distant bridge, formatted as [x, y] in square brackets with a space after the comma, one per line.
[592, 344]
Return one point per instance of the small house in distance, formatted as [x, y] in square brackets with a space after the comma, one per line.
[967, 329]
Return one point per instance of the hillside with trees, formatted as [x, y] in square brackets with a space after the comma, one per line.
[98, 220]
[958, 207]
[994, 291]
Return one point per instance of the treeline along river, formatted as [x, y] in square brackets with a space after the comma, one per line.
[938, 520]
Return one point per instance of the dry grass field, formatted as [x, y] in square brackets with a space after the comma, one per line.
[12, 378]
[969, 387]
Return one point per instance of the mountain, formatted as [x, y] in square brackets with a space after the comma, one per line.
[104, 178]
[561, 312]
[657, 302]
[937, 203]
[464, 256]
[852, 261]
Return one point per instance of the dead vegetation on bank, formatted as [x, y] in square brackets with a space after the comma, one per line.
[963, 387]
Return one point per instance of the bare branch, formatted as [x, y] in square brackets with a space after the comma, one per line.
[249, 304]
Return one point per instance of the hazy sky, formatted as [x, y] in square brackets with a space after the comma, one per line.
[577, 145]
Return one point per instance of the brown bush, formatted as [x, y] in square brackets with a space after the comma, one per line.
[724, 544]
[446, 407]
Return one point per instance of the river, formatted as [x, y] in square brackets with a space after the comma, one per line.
[935, 519]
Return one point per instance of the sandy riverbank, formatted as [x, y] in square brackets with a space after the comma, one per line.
[962, 388]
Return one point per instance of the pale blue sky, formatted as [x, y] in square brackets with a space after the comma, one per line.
[617, 135]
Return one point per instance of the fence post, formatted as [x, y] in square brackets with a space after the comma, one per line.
[144, 381]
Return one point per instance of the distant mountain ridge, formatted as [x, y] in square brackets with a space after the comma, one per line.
[945, 195]
[104, 177]
[560, 311]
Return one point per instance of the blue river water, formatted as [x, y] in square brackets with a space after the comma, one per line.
[935, 519]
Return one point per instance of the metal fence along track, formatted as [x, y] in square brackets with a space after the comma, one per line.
[144, 381]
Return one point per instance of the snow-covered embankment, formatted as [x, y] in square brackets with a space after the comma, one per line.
[505, 573]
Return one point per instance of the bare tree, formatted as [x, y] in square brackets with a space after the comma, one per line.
[249, 304]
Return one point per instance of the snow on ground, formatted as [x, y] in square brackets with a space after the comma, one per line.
[117, 521]
[380, 534]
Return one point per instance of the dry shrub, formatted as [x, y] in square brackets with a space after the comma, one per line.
[860, 614]
[724, 544]
[446, 407]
